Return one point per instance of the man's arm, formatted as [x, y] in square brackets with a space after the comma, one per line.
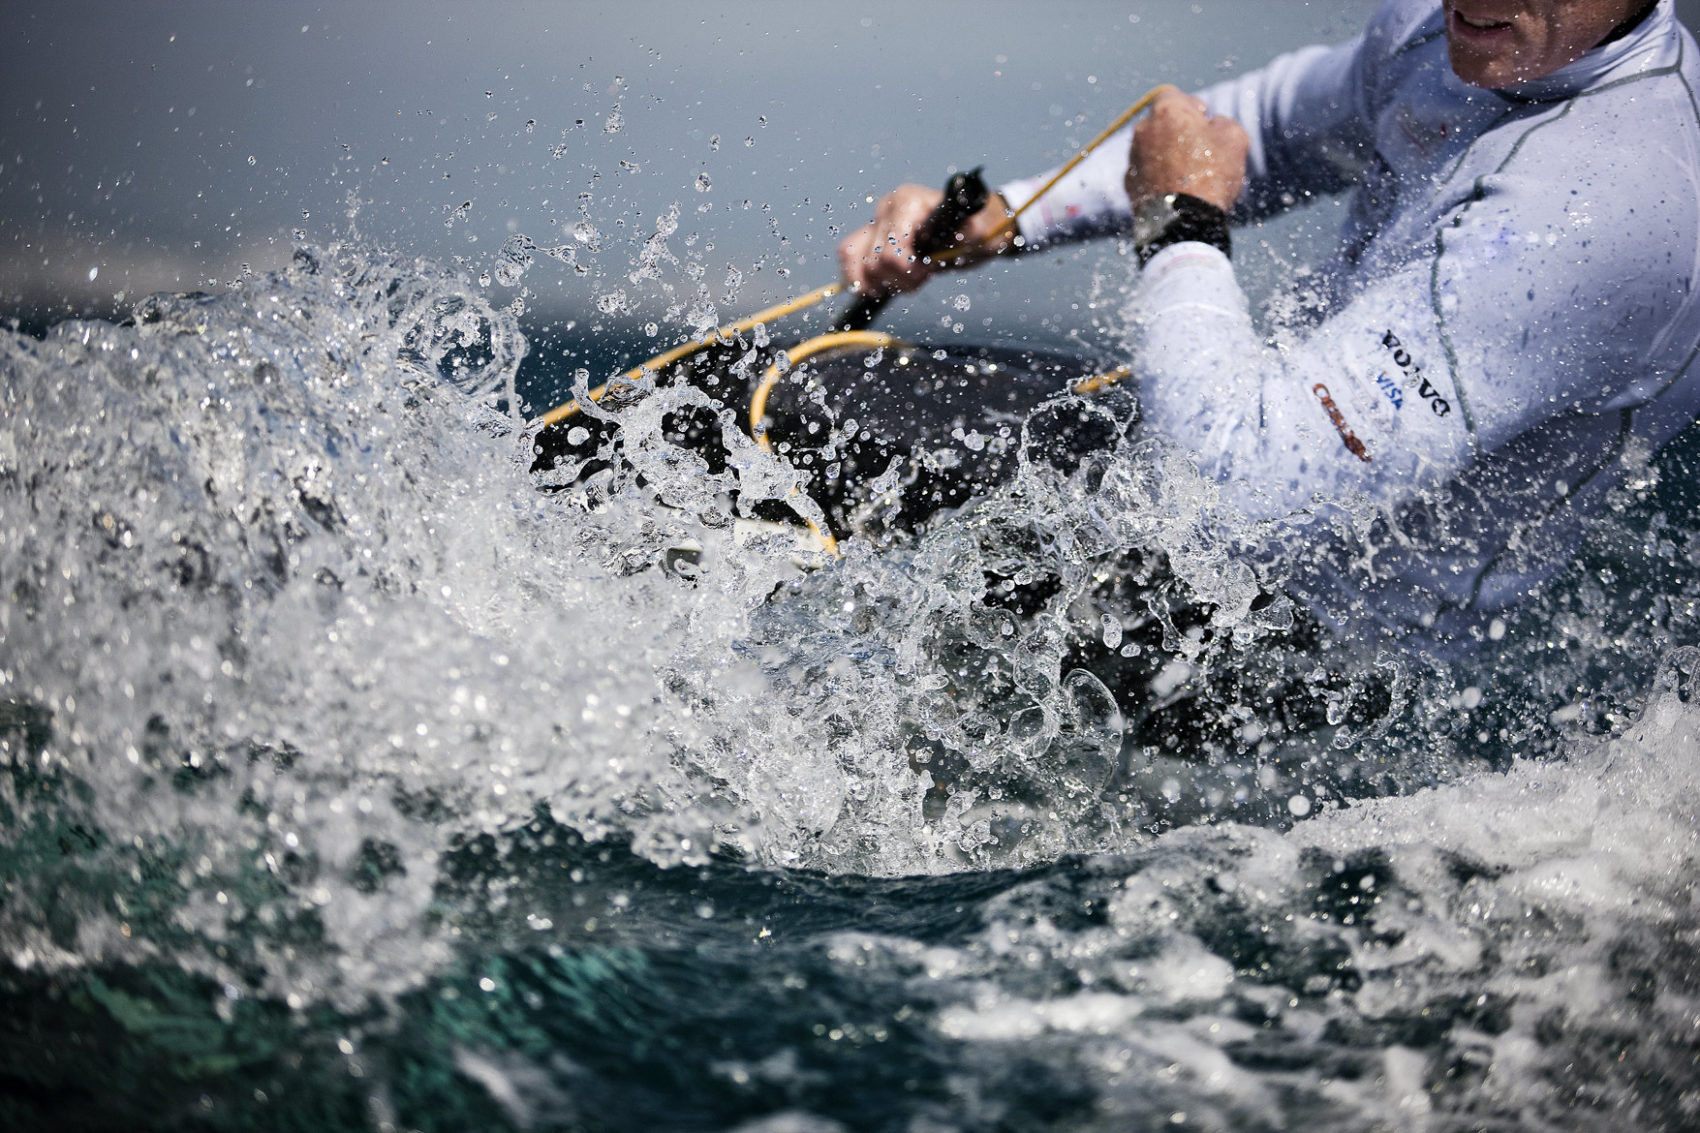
[1319, 86]
[1520, 311]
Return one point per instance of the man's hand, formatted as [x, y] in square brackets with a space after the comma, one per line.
[1181, 148]
[880, 258]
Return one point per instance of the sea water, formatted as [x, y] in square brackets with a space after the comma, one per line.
[358, 774]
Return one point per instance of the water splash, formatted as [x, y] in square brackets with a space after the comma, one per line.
[287, 617]
[313, 694]
[291, 624]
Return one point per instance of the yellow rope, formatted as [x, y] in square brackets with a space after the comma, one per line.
[758, 400]
[720, 337]
[813, 346]
[1122, 119]
[1101, 381]
[1093, 384]
[863, 338]
[827, 542]
[727, 333]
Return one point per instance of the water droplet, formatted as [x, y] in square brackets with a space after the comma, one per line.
[1299, 805]
[515, 259]
[1112, 630]
[577, 435]
[252, 160]
[93, 272]
[714, 141]
[615, 123]
[961, 302]
[703, 183]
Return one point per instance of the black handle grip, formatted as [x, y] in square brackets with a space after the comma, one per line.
[964, 195]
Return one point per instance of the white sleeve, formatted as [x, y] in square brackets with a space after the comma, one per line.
[1523, 306]
[1283, 428]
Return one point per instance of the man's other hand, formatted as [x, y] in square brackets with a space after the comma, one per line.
[1180, 147]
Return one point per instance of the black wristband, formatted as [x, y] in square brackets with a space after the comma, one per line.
[1175, 218]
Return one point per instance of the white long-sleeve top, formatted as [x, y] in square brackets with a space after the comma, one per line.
[1509, 326]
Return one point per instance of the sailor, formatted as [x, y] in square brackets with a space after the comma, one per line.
[1507, 328]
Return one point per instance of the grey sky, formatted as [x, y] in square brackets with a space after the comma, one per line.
[163, 145]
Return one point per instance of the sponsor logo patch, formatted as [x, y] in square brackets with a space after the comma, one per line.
[1412, 377]
[1425, 137]
[1353, 444]
[1391, 388]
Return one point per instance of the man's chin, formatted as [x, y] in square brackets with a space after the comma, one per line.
[1489, 70]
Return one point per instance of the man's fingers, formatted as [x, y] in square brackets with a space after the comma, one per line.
[880, 257]
[1179, 102]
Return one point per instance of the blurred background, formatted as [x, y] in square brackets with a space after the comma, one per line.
[175, 146]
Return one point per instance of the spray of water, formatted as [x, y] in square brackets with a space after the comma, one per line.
[290, 620]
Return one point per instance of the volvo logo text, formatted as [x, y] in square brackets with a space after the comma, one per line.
[1414, 376]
